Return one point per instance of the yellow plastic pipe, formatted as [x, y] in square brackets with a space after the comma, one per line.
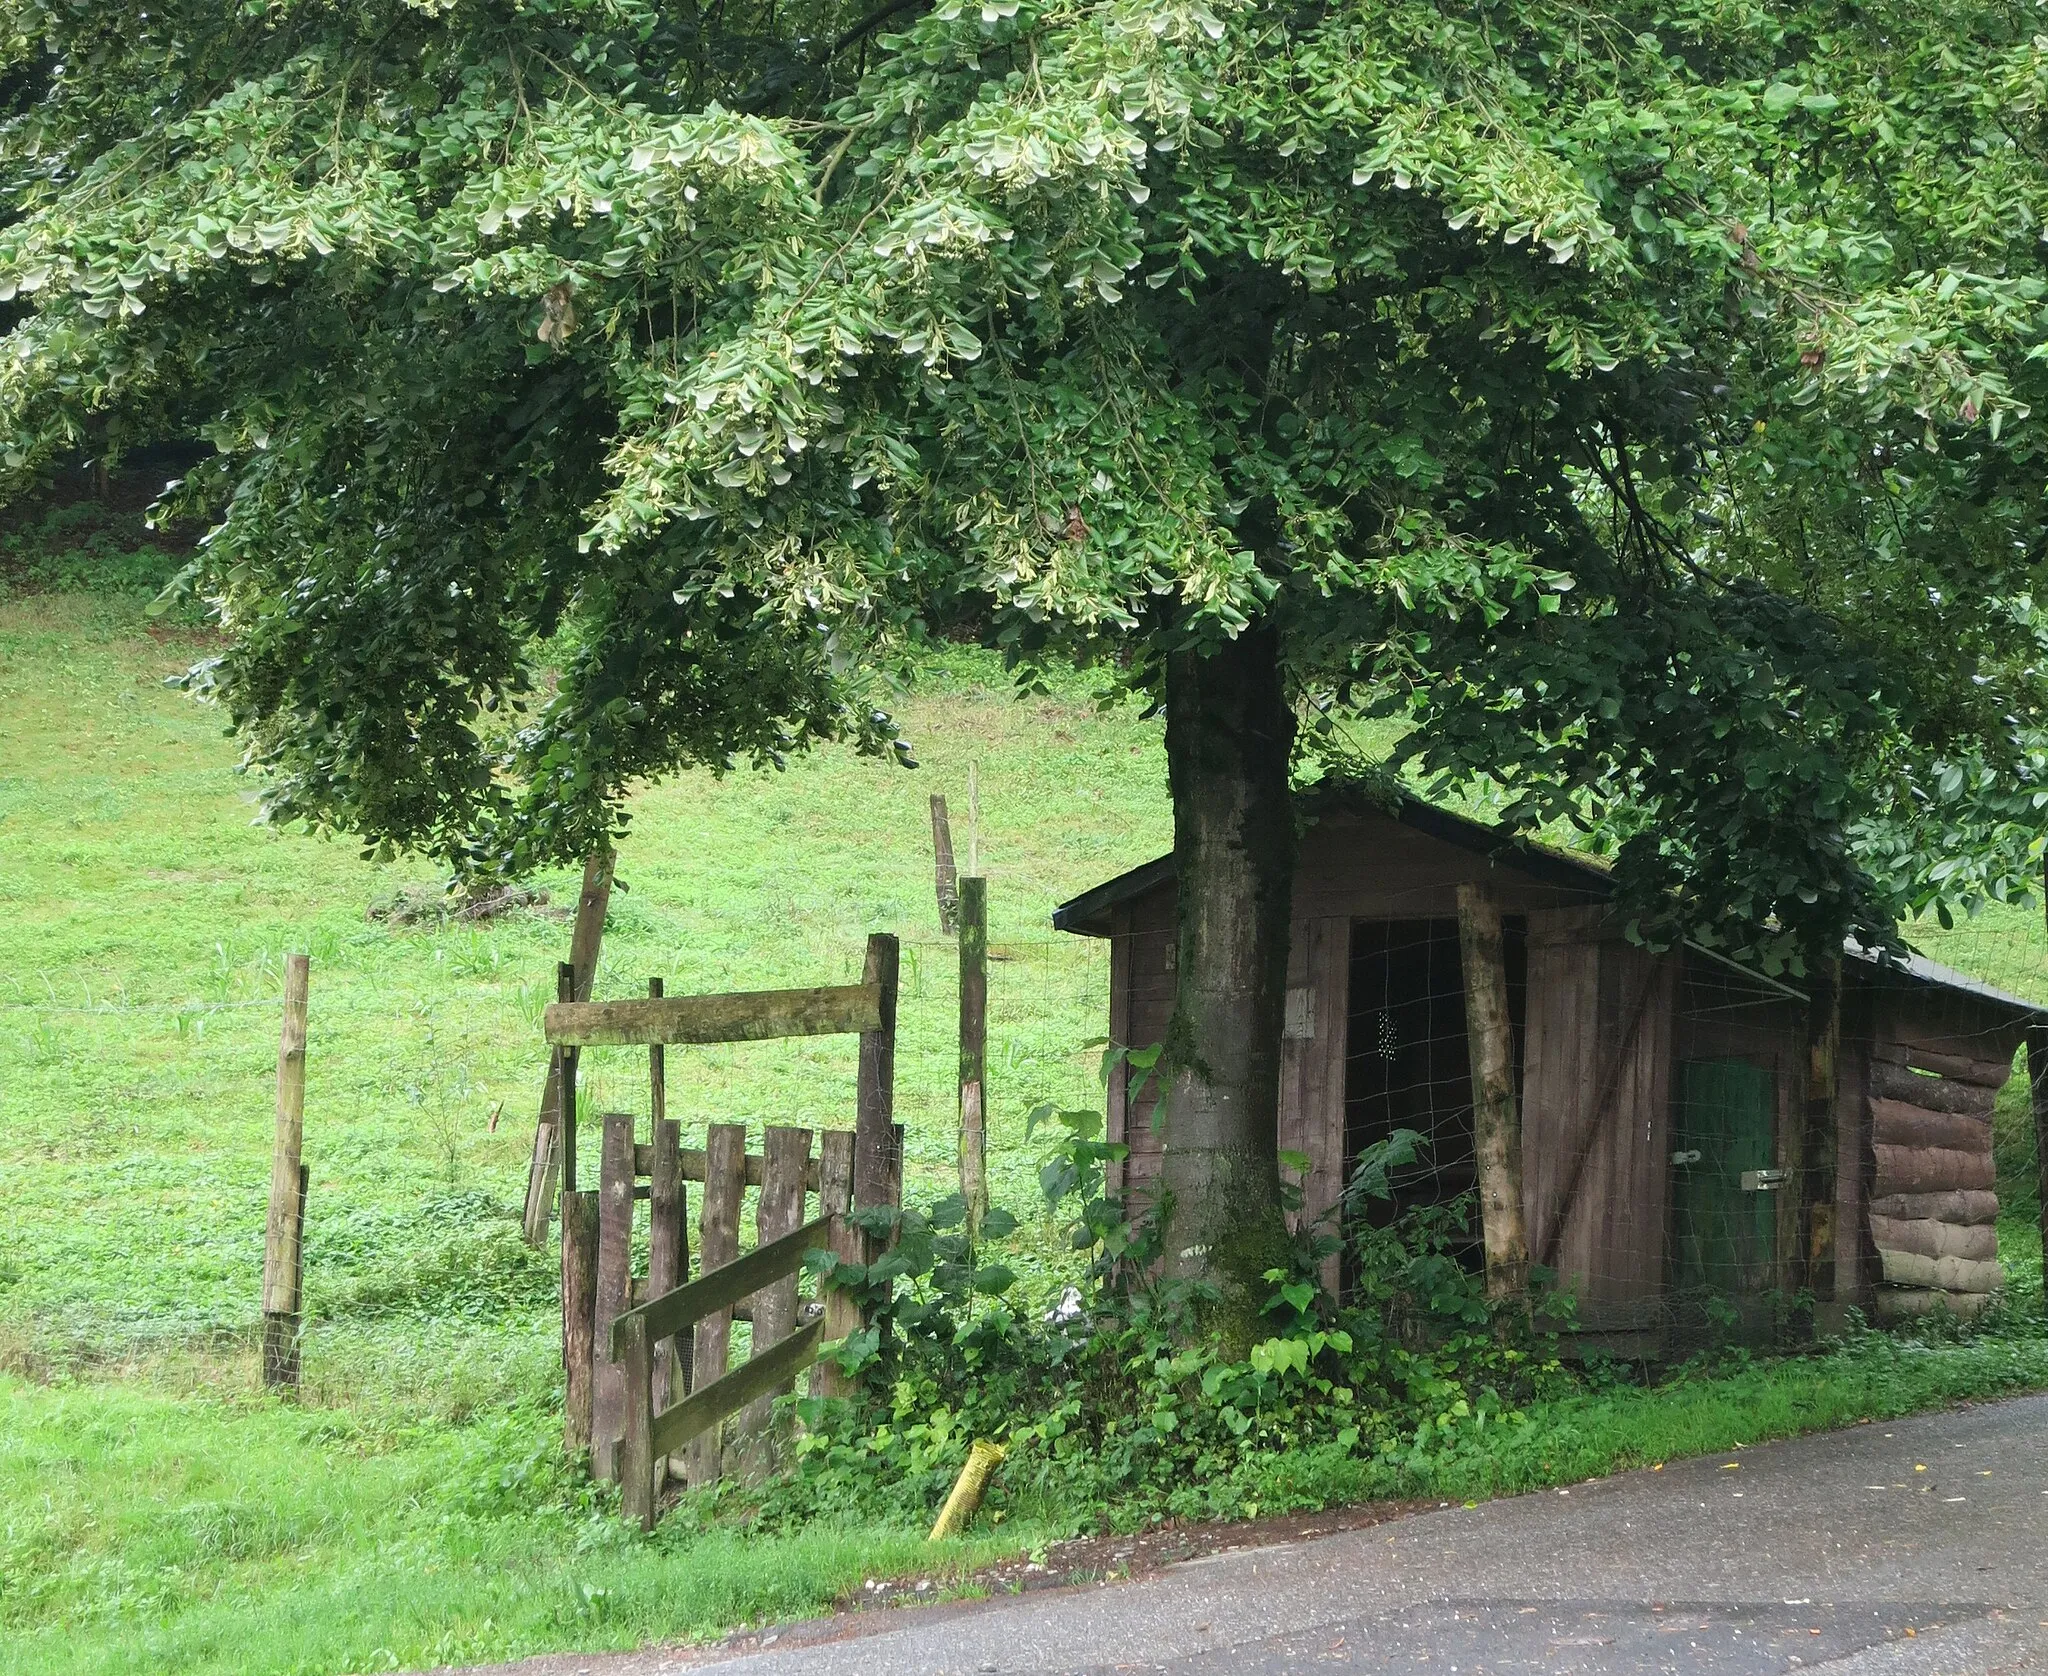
[982, 1459]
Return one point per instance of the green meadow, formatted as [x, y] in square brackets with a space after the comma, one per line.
[159, 1511]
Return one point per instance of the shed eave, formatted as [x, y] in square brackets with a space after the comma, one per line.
[1088, 915]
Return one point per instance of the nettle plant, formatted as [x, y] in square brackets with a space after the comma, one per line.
[1113, 1402]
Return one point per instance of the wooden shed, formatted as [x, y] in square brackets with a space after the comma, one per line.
[1678, 1145]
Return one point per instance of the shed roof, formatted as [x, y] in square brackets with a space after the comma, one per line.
[1088, 914]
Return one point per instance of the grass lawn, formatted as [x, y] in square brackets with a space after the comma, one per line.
[158, 1512]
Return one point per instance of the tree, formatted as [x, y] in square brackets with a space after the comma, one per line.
[1613, 394]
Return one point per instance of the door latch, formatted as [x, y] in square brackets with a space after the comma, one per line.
[1764, 1181]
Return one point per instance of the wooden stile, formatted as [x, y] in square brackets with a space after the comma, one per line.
[614, 1280]
[749, 1016]
[777, 1214]
[579, 1315]
[695, 1419]
[719, 1244]
[622, 1368]
[668, 1251]
[974, 1052]
[284, 1226]
[592, 903]
[835, 1199]
[638, 1483]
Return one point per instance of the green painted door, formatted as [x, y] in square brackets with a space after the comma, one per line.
[1726, 1234]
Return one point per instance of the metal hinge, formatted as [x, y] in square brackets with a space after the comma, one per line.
[1764, 1181]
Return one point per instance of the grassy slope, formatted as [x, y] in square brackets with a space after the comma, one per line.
[156, 1511]
[145, 921]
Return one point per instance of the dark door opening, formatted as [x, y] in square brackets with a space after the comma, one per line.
[1408, 1065]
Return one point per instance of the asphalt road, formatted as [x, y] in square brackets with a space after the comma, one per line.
[1886, 1550]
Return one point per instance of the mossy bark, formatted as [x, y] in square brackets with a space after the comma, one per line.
[1229, 736]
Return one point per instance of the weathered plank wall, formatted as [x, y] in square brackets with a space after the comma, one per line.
[1351, 867]
[1596, 1115]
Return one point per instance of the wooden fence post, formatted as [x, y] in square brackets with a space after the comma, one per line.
[779, 1210]
[657, 1064]
[1490, 1042]
[284, 1227]
[614, 1285]
[725, 1180]
[637, 1482]
[946, 877]
[579, 1315]
[874, 1132]
[835, 1199]
[974, 1052]
[565, 1088]
[668, 1251]
[584, 942]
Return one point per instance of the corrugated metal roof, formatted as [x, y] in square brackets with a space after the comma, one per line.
[1919, 969]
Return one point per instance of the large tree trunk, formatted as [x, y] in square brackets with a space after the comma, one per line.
[1229, 735]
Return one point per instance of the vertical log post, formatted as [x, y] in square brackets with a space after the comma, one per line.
[565, 1089]
[637, 1482]
[657, 1064]
[579, 1315]
[284, 1227]
[1814, 1187]
[584, 943]
[725, 1180]
[786, 1159]
[614, 1286]
[874, 1131]
[1490, 1041]
[835, 1199]
[974, 1052]
[946, 877]
[668, 1251]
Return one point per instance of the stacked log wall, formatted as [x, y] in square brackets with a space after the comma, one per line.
[1933, 1080]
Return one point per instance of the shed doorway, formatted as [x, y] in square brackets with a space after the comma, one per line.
[1723, 1188]
[1407, 1062]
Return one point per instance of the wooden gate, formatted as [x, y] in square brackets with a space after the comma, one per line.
[631, 1343]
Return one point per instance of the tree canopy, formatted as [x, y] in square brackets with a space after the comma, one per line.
[1635, 398]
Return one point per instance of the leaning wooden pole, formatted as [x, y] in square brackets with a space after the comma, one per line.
[945, 876]
[1490, 1041]
[974, 1051]
[585, 940]
[284, 1229]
